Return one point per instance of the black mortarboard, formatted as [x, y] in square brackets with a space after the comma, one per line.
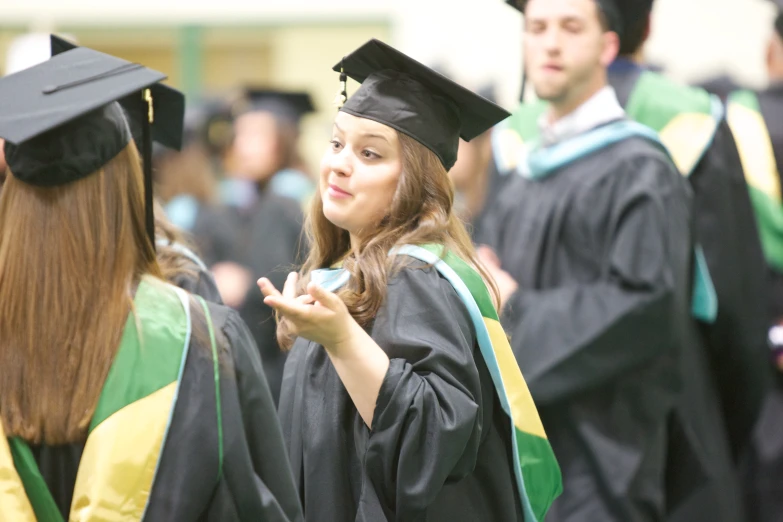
[410, 97]
[286, 105]
[168, 106]
[61, 121]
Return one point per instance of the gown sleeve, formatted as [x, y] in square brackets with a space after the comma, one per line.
[427, 422]
[573, 338]
[263, 485]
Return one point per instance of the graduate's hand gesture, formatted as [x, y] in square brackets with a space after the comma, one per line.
[318, 315]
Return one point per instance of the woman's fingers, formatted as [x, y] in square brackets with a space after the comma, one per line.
[290, 308]
[289, 289]
[324, 297]
[305, 299]
[267, 288]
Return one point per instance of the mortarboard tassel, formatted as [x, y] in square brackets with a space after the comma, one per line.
[342, 96]
[149, 213]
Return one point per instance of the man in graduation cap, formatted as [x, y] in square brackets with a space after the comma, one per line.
[124, 398]
[756, 120]
[594, 259]
[691, 124]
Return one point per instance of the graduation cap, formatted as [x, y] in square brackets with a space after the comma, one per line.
[168, 105]
[287, 105]
[61, 120]
[410, 97]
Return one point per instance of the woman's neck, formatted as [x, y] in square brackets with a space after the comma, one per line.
[356, 243]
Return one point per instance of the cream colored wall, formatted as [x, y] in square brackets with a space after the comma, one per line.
[696, 38]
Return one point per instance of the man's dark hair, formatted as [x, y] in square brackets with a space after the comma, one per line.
[634, 35]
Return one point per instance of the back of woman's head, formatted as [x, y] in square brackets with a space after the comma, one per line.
[69, 258]
[421, 212]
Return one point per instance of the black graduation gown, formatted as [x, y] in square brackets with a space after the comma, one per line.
[602, 331]
[198, 282]
[256, 483]
[195, 278]
[439, 449]
[725, 227]
[495, 183]
[763, 468]
[771, 105]
[266, 239]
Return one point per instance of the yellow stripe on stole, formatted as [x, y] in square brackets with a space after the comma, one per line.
[755, 149]
[686, 137]
[14, 504]
[523, 409]
[120, 458]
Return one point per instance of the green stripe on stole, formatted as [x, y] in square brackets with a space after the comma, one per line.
[536, 469]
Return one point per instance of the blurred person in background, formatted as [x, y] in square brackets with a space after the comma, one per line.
[187, 180]
[122, 395]
[756, 119]
[265, 148]
[179, 263]
[595, 261]
[475, 182]
[692, 125]
[255, 231]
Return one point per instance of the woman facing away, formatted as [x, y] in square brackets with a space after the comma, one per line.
[401, 399]
[121, 397]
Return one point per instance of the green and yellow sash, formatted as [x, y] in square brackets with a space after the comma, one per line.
[128, 430]
[537, 472]
[685, 118]
[761, 171]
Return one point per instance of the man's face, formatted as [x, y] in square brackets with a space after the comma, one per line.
[566, 47]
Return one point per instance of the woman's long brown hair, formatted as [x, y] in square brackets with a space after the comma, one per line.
[421, 213]
[70, 257]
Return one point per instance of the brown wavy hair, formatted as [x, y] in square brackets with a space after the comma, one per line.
[421, 212]
[70, 259]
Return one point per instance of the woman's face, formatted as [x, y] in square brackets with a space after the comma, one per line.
[359, 173]
[256, 148]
